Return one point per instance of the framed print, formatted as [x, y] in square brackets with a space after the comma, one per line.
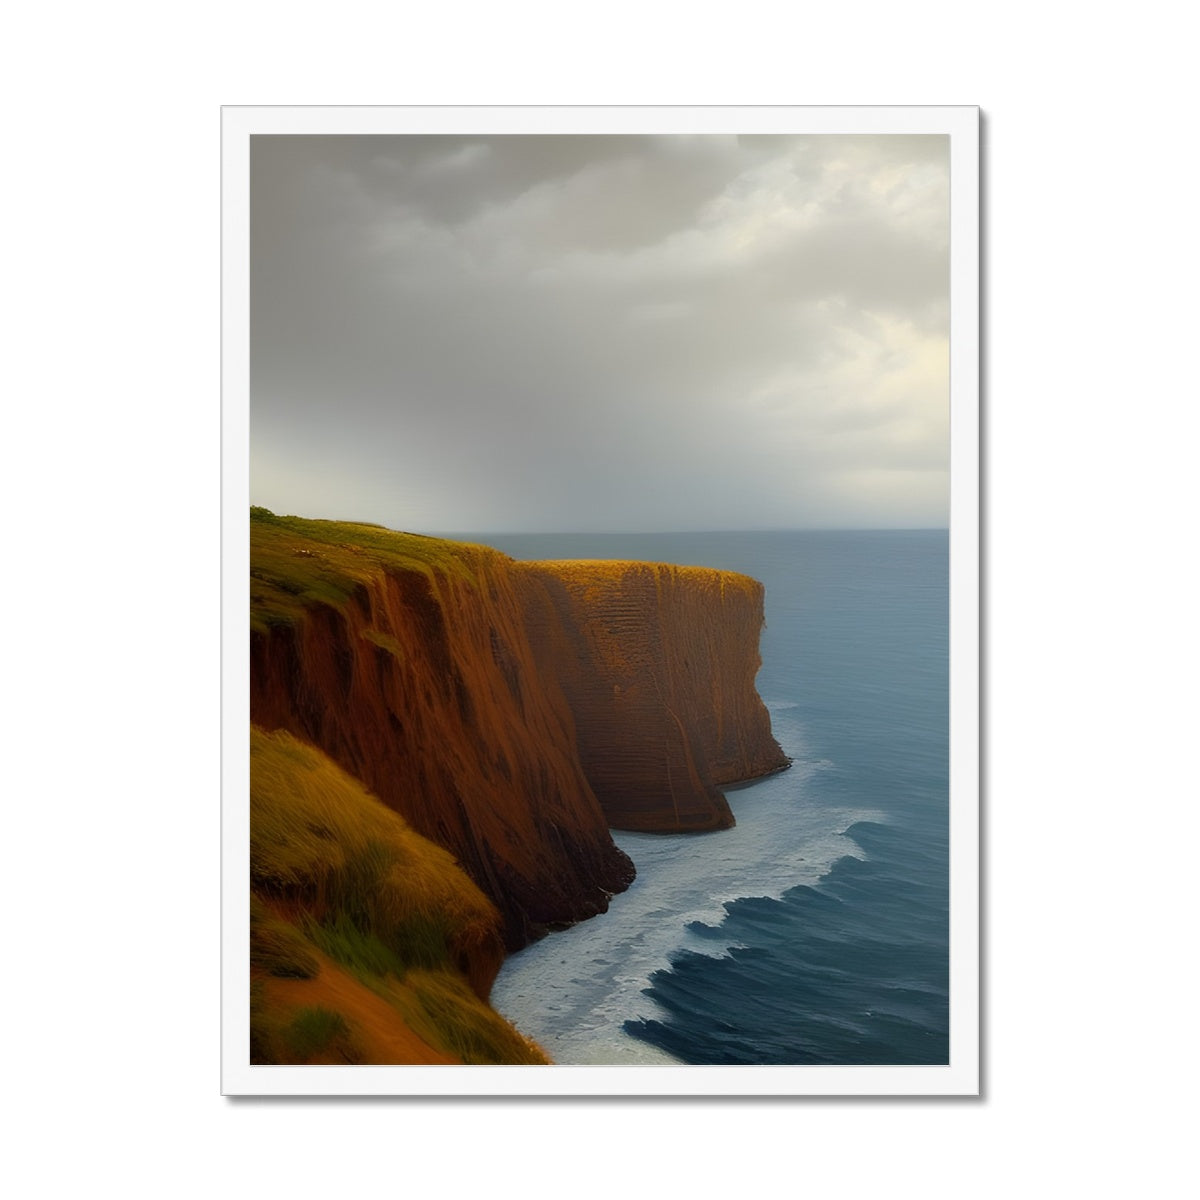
[601, 496]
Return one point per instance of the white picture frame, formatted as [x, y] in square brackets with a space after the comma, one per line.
[961, 1077]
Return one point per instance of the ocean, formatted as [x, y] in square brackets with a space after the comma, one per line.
[817, 930]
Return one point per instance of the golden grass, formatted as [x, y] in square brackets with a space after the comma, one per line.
[337, 876]
[317, 834]
[277, 946]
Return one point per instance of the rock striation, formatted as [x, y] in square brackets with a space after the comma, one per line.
[658, 664]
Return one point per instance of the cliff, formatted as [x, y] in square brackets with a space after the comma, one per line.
[407, 661]
[658, 663]
[511, 712]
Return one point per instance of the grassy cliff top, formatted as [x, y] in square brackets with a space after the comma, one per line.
[296, 563]
[616, 570]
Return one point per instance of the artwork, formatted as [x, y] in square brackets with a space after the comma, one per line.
[605, 481]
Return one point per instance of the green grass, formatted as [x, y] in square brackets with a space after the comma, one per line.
[296, 563]
[314, 1030]
[368, 957]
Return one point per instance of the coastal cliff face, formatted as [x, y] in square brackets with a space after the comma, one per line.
[511, 712]
[406, 660]
[658, 663]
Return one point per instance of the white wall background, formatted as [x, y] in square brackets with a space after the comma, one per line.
[111, 504]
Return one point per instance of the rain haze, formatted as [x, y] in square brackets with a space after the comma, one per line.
[536, 333]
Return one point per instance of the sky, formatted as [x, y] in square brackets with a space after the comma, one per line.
[586, 333]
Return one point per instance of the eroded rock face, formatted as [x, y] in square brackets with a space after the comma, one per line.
[658, 664]
[512, 712]
[424, 686]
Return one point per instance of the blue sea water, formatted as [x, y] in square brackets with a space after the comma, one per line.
[816, 930]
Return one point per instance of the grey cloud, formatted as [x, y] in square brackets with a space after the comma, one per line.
[591, 332]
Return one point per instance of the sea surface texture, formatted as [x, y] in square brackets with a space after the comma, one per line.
[816, 930]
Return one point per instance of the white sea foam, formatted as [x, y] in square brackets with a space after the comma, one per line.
[573, 990]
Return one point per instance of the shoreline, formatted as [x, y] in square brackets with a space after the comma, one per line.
[574, 990]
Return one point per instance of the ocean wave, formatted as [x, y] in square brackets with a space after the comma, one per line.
[573, 991]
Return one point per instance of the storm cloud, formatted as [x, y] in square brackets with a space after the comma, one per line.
[601, 333]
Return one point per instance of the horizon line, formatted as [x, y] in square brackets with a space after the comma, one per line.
[454, 533]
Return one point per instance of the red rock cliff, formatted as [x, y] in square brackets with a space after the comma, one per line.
[423, 685]
[658, 663]
[511, 712]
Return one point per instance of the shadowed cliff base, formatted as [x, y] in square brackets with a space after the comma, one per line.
[510, 713]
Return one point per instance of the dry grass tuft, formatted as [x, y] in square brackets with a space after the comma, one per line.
[317, 835]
